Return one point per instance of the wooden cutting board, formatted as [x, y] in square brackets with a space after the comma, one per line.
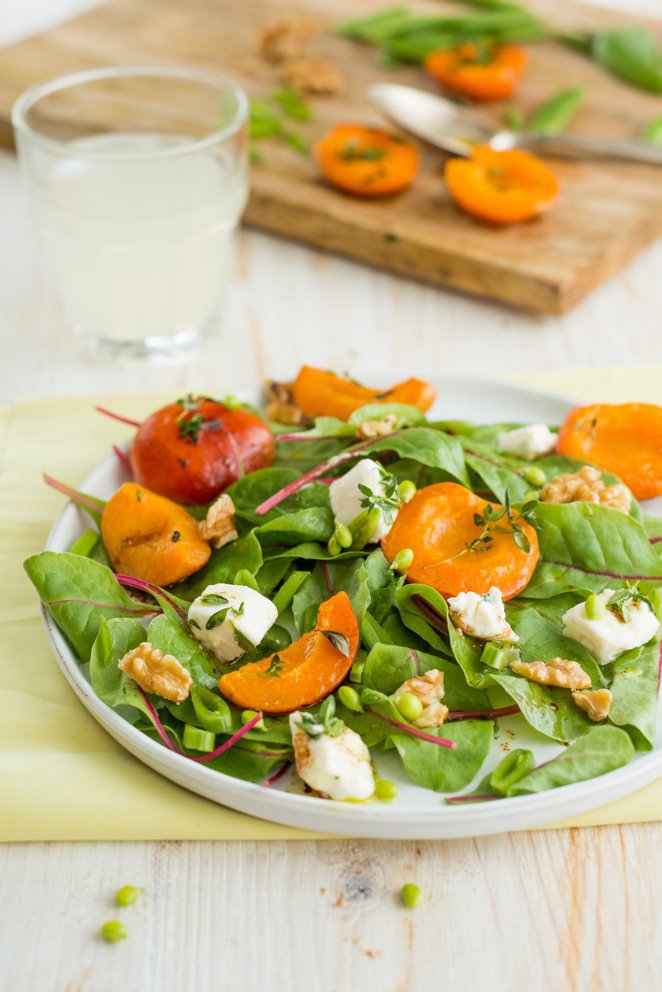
[608, 212]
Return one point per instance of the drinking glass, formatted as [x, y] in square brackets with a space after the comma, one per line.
[138, 175]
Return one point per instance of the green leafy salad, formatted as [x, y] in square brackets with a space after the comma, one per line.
[384, 583]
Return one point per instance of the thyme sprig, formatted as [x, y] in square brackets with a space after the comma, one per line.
[619, 604]
[388, 501]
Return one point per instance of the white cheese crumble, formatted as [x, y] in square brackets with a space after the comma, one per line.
[237, 609]
[337, 766]
[482, 616]
[609, 636]
[528, 442]
[346, 497]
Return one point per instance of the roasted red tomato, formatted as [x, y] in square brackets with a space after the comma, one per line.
[193, 449]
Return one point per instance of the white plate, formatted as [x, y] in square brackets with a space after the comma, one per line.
[416, 813]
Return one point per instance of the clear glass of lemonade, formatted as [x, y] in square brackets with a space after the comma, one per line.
[139, 178]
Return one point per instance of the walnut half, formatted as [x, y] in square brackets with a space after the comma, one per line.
[586, 486]
[558, 671]
[596, 703]
[429, 688]
[157, 672]
[370, 429]
[311, 77]
[220, 525]
[281, 406]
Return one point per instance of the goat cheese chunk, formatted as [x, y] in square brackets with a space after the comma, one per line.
[482, 616]
[609, 636]
[528, 442]
[337, 766]
[346, 497]
[223, 611]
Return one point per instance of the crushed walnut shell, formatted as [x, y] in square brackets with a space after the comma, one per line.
[429, 688]
[157, 672]
[370, 429]
[558, 671]
[220, 527]
[586, 486]
[596, 703]
[284, 39]
[311, 77]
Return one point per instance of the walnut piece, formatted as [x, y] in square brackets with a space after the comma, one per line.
[586, 486]
[281, 406]
[157, 672]
[596, 703]
[220, 527]
[429, 688]
[311, 76]
[284, 39]
[558, 671]
[370, 429]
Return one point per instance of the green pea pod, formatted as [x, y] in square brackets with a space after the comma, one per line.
[511, 769]
[652, 132]
[211, 712]
[362, 527]
[276, 639]
[631, 54]
[554, 115]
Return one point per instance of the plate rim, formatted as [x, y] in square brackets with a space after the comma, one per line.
[372, 819]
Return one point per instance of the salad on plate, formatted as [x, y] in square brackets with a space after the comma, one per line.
[289, 593]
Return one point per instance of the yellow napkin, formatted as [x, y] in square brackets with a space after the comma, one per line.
[61, 776]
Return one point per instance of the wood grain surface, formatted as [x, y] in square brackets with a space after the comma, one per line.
[607, 214]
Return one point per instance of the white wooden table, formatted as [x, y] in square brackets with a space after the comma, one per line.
[568, 910]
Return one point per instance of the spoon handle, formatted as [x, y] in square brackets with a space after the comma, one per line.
[580, 146]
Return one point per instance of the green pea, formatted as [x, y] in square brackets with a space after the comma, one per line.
[350, 698]
[385, 791]
[407, 490]
[196, 739]
[232, 403]
[411, 895]
[247, 716]
[127, 895]
[246, 578]
[595, 607]
[409, 705]
[113, 930]
[333, 547]
[343, 535]
[534, 475]
[402, 560]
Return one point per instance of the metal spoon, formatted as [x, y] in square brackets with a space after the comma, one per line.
[448, 126]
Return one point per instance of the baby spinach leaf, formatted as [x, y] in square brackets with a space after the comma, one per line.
[79, 593]
[597, 541]
[548, 709]
[498, 476]
[387, 666]
[256, 487]
[308, 551]
[271, 574]
[369, 583]
[653, 528]
[634, 688]
[601, 750]
[406, 416]
[539, 626]
[110, 683]
[439, 768]
[223, 565]
[313, 524]
[425, 611]
[172, 637]
[427, 446]
[304, 455]
[307, 600]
